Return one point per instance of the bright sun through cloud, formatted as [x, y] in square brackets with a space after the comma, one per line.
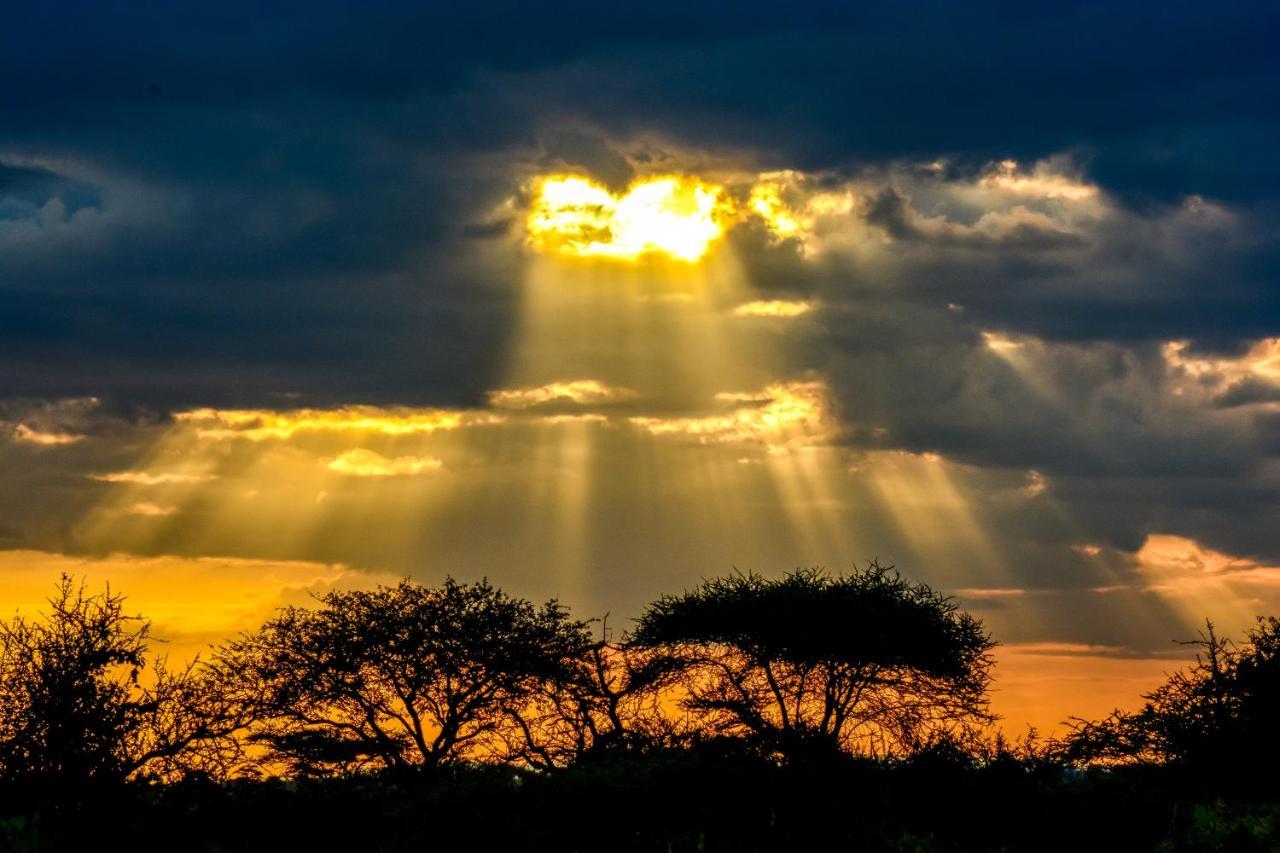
[674, 216]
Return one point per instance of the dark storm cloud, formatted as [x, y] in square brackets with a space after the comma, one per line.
[205, 165]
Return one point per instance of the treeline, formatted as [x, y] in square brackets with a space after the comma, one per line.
[411, 675]
[744, 714]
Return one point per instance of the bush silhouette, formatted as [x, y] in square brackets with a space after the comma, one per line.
[1219, 714]
[83, 701]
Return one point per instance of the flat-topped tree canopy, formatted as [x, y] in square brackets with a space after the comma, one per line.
[866, 618]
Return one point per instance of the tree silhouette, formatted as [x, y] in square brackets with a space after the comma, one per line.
[82, 701]
[399, 676]
[1220, 712]
[864, 662]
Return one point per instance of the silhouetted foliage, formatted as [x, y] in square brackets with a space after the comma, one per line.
[865, 662]
[1221, 712]
[459, 717]
[399, 676]
[608, 698]
[78, 704]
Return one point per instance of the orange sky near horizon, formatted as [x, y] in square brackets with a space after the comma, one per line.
[196, 602]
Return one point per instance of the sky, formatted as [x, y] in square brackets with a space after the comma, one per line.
[600, 301]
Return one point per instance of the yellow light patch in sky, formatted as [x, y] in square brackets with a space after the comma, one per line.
[366, 463]
[781, 415]
[674, 216]
[148, 478]
[1168, 555]
[1199, 582]
[582, 391]
[999, 343]
[152, 509]
[262, 424]
[1262, 361]
[774, 308]
[766, 201]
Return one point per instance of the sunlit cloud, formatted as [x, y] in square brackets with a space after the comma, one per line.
[1037, 485]
[580, 391]
[46, 438]
[1200, 582]
[1228, 380]
[782, 308]
[793, 206]
[674, 216]
[151, 509]
[581, 418]
[1040, 182]
[780, 415]
[766, 202]
[989, 592]
[1000, 343]
[48, 423]
[147, 478]
[1181, 557]
[263, 424]
[1061, 648]
[361, 462]
[1037, 206]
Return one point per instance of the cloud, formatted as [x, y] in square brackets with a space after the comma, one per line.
[151, 509]
[1253, 377]
[1017, 228]
[1040, 182]
[586, 392]
[777, 417]
[1179, 560]
[49, 423]
[263, 425]
[780, 308]
[360, 462]
[148, 478]
[22, 432]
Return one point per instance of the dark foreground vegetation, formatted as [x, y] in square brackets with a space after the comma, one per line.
[807, 712]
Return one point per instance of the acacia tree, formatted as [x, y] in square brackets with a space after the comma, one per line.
[1221, 711]
[864, 662]
[82, 700]
[398, 676]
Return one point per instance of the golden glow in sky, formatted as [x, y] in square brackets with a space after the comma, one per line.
[673, 216]
[784, 308]
[779, 416]
[260, 424]
[585, 391]
[361, 462]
